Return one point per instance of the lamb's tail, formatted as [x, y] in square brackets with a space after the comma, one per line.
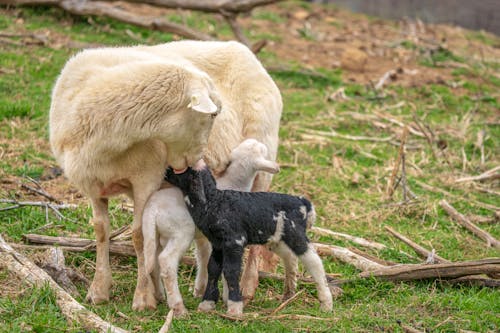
[310, 213]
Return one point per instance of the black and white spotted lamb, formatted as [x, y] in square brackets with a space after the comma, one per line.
[232, 219]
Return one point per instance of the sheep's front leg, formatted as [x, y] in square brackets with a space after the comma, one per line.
[99, 289]
[211, 295]
[233, 255]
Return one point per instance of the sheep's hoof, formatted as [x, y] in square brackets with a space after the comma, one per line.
[199, 292]
[97, 295]
[234, 309]
[179, 310]
[206, 306]
[143, 301]
[326, 306]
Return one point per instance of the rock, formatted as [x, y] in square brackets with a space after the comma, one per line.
[354, 60]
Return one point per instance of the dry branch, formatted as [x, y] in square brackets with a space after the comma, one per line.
[335, 134]
[390, 184]
[422, 252]
[487, 175]
[168, 321]
[354, 239]
[31, 273]
[53, 264]
[464, 222]
[444, 271]
[347, 256]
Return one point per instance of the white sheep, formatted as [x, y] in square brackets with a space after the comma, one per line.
[168, 228]
[120, 115]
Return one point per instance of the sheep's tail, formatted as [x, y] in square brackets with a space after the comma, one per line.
[150, 243]
[310, 213]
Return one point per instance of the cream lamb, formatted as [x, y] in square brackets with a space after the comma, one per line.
[120, 115]
[168, 228]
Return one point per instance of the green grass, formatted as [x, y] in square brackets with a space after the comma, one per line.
[345, 179]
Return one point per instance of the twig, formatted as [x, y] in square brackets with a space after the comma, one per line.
[168, 322]
[27, 271]
[288, 301]
[480, 144]
[40, 192]
[451, 195]
[231, 19]
[39, 204]
[354, 239]
[409, 329]
[333, 133]
[387, 75]
[487, 175]
[464, 222]
[390, 184]
[422, 252]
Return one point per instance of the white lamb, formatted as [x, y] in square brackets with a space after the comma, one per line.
[119, 116]
[168, 228]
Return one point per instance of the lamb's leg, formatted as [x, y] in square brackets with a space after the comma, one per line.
[144, 295]
[169, 262]
[233, 256]
[291, 268]
[155, 275]
[99, 289]
[211, 295]
[203, 250]
[313, 264]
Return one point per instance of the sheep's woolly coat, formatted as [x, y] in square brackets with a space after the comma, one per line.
[120, 115]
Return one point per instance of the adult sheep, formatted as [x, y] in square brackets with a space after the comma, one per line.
[120, 115]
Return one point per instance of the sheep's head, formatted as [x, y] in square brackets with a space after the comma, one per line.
[193, 124]
[254, 154]
[189, 182]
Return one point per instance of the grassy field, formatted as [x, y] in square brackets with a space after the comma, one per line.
[454, 95]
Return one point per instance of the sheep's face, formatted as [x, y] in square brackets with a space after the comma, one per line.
[193, 124]
[187, 181]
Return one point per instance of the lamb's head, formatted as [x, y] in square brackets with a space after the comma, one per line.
[252, 155]
[193, 122]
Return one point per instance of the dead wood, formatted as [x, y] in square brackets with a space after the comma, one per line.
[27, 271]
[372, 258]
[53, 263]
[168, 321]
[410, 272]
[390, 184]
[476, 280]
[286, 302]
[451, 195]
[335, 134]
[430, 256]
[487, 175]
[464, 222]
[354, 239]
[347, 256]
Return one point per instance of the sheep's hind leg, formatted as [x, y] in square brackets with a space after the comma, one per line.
[169, 263]
[291, 268]
[203, 249]
[99, 289]
[313, 264]
[233, 256]
[211, 295]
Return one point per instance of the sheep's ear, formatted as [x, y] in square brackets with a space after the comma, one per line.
[201, 102]
[267, 166]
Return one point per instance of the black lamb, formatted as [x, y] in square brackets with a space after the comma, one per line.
[232, 219]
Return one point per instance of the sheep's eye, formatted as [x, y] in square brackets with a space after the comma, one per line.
[213, 115]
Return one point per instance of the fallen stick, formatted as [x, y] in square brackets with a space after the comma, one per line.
[422, 252]
[166, 327]
[487, 175]
[39, 204]
[335, 134]
[358, 240]
[288, 301]
[347, 256]
[464, 222]
[53, 263]
[390, 183]
[410, 272]
[27, 271]
[451, 195]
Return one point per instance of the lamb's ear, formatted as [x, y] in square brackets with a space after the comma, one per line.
[268, 166]
[201, 102]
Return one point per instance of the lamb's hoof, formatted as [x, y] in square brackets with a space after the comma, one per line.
[179, 311]
[326, 306]
[143, 301]
[206, 306]
[234, 309]
[97, 295]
